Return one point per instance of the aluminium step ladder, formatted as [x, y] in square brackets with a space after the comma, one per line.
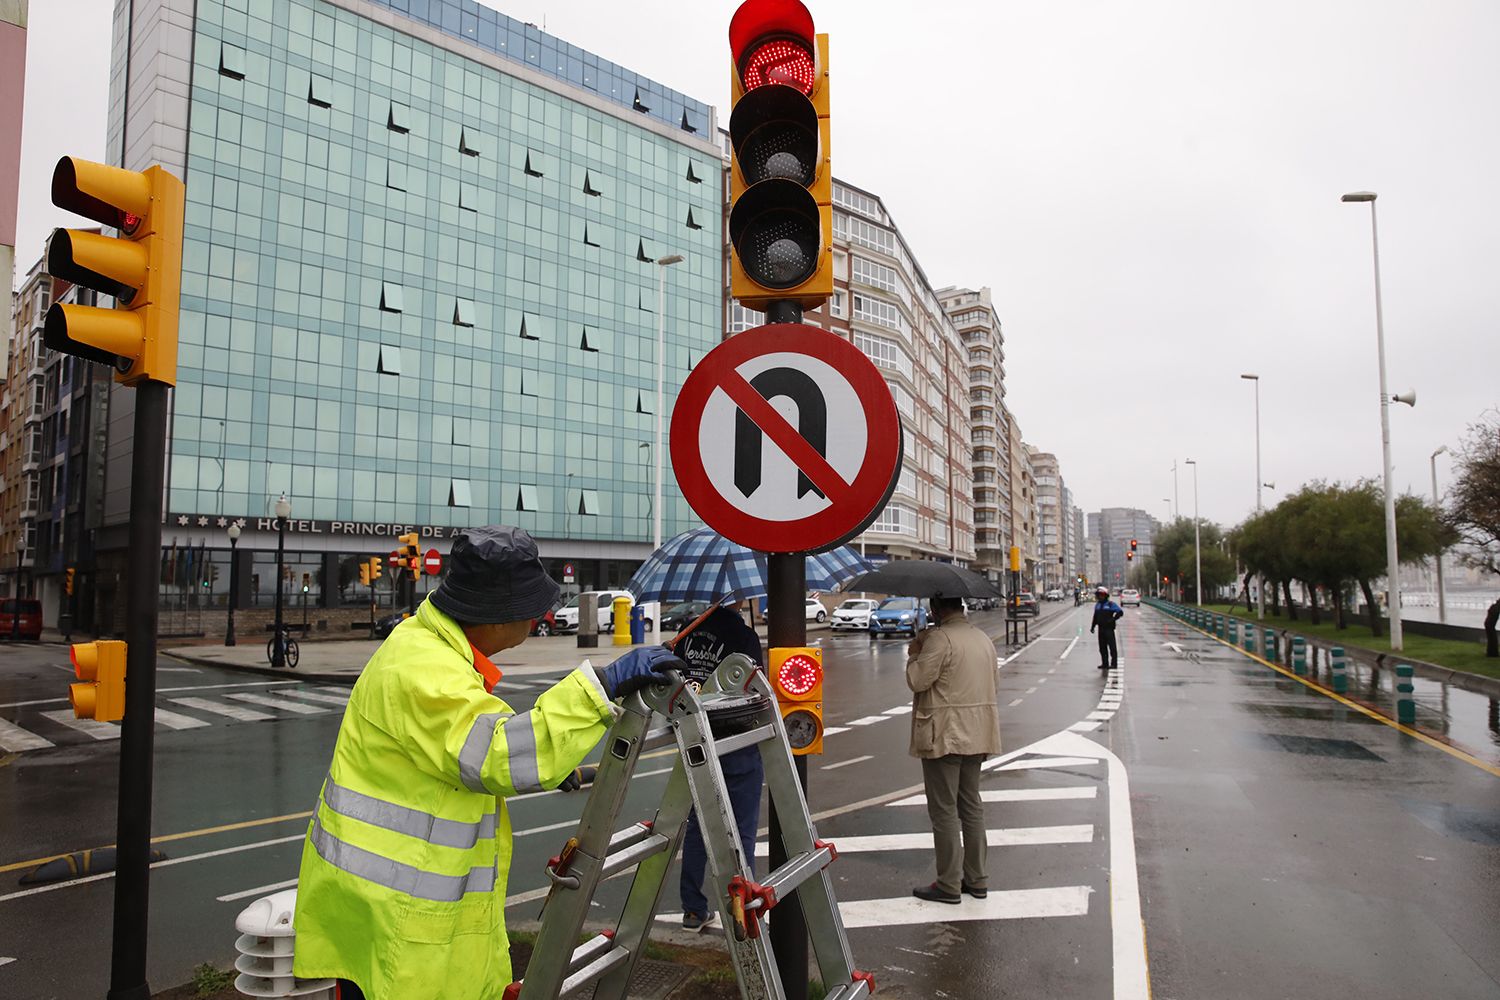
[603, 965]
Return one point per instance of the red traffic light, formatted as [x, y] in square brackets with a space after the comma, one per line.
[798, 675]
[772, 43]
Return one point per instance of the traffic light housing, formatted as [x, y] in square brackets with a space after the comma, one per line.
[306, 582]
[364, 574]
[797, 678]
[68, 584]
[374, 569]
[100, 669]
[141, 268]
[780, 179]
[411, 556]
[1130, 555]
[1132, 545]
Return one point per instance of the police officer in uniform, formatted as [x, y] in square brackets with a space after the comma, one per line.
[1106, 613]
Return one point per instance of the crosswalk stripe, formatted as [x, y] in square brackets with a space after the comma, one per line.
[13, 738]
[332, 697]
[281, 703]
[1016, 795]
[833, 730]
[1085, 727]
[1000, 904]
[235, 712]
[898, 710]
[1100, 716]
[173, 720]
[1034, 762]
[98, 730]
[869, 720]
[1015, 836]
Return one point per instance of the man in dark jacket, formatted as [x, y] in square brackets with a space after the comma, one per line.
[1106, 613]
[723, 632]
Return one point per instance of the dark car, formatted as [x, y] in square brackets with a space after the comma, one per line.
[896, 615]
[21, 617]
[680, 616]
[1022, 603]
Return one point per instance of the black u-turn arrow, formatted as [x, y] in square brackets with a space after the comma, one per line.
[812, 424]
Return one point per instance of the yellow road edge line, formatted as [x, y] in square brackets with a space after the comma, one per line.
[164, 838]
[1362, 709]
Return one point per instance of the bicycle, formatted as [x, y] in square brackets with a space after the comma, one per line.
[289, 650]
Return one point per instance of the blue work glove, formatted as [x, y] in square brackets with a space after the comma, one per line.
[638, 668]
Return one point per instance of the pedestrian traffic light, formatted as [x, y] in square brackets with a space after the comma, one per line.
[306, 581]
[780, 180]
[411, 556]
[141, 268]
[100, 669]
[68, 585]
[797, 676]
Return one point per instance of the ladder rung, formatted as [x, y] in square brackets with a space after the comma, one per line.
[848, 991]
[657, 738]
[590, 950]
[739, 741]
[785, 879]
[595, 970]
[633, 854]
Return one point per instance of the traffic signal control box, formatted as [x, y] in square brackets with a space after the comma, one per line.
[797, 677]
[100, 669]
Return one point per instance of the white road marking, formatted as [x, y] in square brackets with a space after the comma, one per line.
[177, 670]
[259, 890]
[1015, 703]
[1016, 795]
[869, 720]
[1031, 690]
[331, 697]
[1100, 716]
[281, 703]
[1016, 836]
[1084, 727]
[98, 730]
[1041, 680]
[190, 687]
[899, 710]
[846, 763]
[13, 738]
[218, 708]
[1026, 765]
[1000, 904]
[545, 829]
[172, 720]
[5, 961]
[1065, 652]
[835, 729]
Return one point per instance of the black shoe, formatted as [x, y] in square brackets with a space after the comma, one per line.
[976, 893]
[933, 894]
[693, 921]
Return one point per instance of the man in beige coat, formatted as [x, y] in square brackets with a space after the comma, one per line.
[955, 724]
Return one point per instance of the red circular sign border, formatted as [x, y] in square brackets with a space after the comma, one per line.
[832, 526]
[432, 562]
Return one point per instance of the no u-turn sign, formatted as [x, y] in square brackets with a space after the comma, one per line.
[785, 438]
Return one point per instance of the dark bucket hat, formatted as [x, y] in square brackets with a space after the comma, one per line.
[495, 576]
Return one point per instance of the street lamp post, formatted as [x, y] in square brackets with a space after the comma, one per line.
[1442, 601]
[1392, 566]
[234, 579]
[1260, 582]
[283, 511]
[661, 339]
[1197, 547]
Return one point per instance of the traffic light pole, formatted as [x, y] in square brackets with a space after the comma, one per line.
[132, 870]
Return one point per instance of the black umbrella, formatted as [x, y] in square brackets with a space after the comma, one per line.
[922, 578]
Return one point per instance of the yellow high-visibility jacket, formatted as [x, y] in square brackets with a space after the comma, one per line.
[402, 886]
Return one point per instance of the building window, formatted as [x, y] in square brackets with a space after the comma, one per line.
[536, 165]
[526, 498]
[395, 175]
[895, 519]
[466, 143]
[459, 493]
[588, 185]
[885, 352]
[463, 312]
[320, 91]
[468, 196]
[390, 360]
[692, 175]
[398, 119]
[584, 345]
[836, 304]
[231, 61]
[390, 297]
[869, 309]
[533, 331]
[691, 223]
[588, 502]
[878, 275]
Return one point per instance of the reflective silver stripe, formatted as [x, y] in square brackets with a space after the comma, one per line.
[403, 819]
[476, 748]
[397, 876]
[520, 747]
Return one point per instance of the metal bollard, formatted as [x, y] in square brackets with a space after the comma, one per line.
[1219, 626]
[1234, 632]
[1406, 705]
[1299, 656]
[1273, 646]
[1336, 665]
[1249, 638]
[622, 621]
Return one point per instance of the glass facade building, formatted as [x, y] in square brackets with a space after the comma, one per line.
[420, 281]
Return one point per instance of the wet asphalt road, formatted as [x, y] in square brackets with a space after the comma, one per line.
[1283, 845]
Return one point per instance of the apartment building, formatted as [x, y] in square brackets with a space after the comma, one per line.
[972, 312]
[21, 409]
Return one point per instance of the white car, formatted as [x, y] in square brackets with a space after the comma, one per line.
[815, 611]
[567, 615]
[1130, 597]
[853, 614]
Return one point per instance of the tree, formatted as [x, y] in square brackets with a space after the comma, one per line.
[1474, 501]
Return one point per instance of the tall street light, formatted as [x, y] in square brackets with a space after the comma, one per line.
[1442, 604]
[1197, 547]
[283, 511]
[234, 565]
[661, 338]
[1260, 583]
[1392, 566]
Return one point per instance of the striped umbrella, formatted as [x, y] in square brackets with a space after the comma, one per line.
[702, 565]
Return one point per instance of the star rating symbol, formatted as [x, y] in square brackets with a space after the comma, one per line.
[202, 521]
[182, 520]
[240, 522]
[223, 522]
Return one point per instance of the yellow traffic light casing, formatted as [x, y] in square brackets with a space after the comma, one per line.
[780, 177]
[375, 569]
[100, 669]
[411, 556]
[69, 584]
[141, 268]
[364, 574]
[797, 678]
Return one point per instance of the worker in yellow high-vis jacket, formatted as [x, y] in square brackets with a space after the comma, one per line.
[402, 887]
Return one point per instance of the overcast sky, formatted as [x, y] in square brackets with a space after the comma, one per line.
[1151, 189]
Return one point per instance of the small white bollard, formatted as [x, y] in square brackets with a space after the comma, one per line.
[265, 945]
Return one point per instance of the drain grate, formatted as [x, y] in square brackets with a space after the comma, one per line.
[655, 979]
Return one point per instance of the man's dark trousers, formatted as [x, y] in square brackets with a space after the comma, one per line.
[745, 775]
[1109, 652]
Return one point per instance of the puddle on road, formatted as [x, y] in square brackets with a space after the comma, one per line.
[1481, 826]
[1315, 746]
[1312, 713]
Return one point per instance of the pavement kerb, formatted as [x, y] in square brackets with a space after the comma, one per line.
[267, 670]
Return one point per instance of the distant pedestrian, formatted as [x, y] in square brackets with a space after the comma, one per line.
[723, 632]
[955, 724]
[1106, 613]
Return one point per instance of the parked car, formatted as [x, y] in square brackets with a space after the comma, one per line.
[385, 626]
[1052, 595]
[1130, 597]
[853, 614]
[896, 615]
[815, 611]
[545, 625]
[566, 617]
[1022, 603]
[21, 617]
[680, 616]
